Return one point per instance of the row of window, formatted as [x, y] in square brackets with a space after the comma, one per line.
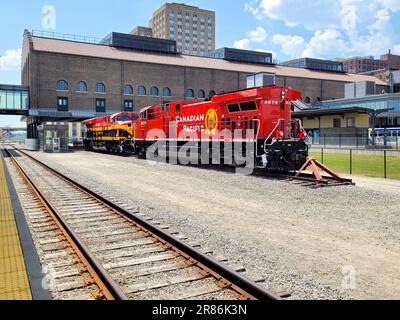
[128, 106]
[62, 102]
[350, 122]
[308, 100]
[201, 94]
[62, 105]
[187, 16]
[81, 86]
[142, 91]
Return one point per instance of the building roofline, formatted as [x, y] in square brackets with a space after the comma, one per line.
[70, 47]
[365, 98]
[332, 111]
[310, 59]
[13, 87]
[175, 4]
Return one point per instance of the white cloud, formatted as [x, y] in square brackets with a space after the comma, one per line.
[393, 5]
[382, 20]
[349, 16]
[340, 27]
[324, 43]
[321, 14]
[11, 60]
[311, 14]
[258, 35]
[292, 46]
[255, 36]
[242, 44]
[255, 11]
[274, 55]
[396, 49]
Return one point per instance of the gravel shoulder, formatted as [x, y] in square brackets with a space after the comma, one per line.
[297, 238]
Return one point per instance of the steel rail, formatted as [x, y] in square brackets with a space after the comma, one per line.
[227, 277]
[109, 288]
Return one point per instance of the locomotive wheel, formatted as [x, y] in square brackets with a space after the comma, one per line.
[142, 152]
[88, 147]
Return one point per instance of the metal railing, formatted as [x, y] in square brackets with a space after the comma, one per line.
[65, 36]
[357, 142]
[372, 162]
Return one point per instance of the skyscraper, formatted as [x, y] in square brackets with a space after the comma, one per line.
[192, 28]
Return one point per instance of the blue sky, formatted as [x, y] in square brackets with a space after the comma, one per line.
[288, 28]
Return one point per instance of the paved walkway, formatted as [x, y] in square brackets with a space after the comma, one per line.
[14, 283]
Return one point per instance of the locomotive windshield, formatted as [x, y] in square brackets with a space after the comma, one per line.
[248, 106]
[123, 119]
[234, 108]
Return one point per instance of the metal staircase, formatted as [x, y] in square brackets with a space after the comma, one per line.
[300, 105]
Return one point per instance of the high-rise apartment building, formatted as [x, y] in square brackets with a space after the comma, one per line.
[192, 28]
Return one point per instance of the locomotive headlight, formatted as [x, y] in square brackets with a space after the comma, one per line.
[302, 135]
[279, 134]
[129, 137]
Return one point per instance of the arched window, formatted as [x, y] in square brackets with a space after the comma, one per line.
[141, 91]
[100, 88]
[167, 92]
[154, 92]
[201, 94]
[212, 94]
[190, 93]
[307, 100]
[81, 86]
[128, 89]
[62, 85]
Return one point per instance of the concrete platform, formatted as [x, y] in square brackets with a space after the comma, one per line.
[20, 270]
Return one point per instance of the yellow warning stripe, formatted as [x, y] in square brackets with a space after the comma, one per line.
[14, 283]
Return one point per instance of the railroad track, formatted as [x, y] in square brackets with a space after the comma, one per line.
[122, 255]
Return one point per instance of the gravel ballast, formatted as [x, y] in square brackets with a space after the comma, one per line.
[299, 239]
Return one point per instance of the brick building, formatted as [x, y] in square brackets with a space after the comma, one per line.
[392, 60]
[368, 64]
[191, 27]
[71, 81]
[362, 64]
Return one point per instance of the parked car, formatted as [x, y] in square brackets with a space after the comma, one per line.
[75, 142]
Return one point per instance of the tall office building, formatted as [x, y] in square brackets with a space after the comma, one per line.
[192, 28]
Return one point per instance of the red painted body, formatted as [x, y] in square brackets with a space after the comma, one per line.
[266, 111]
[259, 119]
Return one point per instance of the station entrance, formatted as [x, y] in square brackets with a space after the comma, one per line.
[53, 137]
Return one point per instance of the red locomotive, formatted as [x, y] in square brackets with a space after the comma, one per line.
[254, 120]
[259, 118]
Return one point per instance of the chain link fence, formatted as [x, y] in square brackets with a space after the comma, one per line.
[372, 163]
